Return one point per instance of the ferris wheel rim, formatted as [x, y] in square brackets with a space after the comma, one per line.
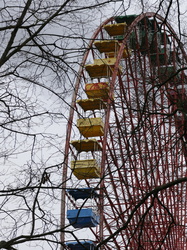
[114, 75]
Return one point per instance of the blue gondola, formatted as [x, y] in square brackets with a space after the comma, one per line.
[81, 218]
[90, 245]
[83, 193]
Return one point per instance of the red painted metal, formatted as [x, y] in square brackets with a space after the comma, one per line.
[144, 144]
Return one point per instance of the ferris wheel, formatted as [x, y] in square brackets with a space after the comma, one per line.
[126, 146]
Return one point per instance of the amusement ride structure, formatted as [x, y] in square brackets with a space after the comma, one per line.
[125, 164]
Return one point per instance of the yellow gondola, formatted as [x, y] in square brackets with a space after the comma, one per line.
[91, 127]
[85, 169]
